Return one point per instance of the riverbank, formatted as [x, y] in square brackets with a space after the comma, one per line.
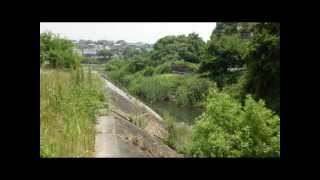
[131, 129]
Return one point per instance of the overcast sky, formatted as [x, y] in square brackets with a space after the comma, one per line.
[130, 32]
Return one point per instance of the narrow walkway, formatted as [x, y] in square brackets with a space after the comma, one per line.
[106, 144]
[111, 142]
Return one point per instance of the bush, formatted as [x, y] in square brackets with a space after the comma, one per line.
[154, 88]
[163, 68]
[181, 89]
[120, 76]
[135, 65]
[227, 129]
[115, 64]
[236, 90]
[149, 71]
[192, 90]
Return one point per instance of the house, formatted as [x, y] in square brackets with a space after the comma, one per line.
[89, 52]
[107, 47]
[78, 51]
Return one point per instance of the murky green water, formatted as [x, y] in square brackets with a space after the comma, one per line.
[181, 114]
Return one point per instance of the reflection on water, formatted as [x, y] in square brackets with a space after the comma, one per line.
[181, 114]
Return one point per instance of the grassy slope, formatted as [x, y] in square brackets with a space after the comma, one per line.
[67, 112]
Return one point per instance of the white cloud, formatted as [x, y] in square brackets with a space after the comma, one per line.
[131, 32]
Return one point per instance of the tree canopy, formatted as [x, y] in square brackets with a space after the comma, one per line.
[57, 52]
[105, 53]
[186, 48]
[263, 75]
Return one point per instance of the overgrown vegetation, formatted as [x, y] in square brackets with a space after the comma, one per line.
[240, 64]
[235, 76]
[179, 134]
[69, 101]
[68, 106]
[57, 52]
[229, 129]
[155, 84]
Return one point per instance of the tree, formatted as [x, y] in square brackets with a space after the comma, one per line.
[129, 52]
[138, 63]
[263, 76]
[107, 54]
[191, 50]
[225, 29]
[222, 54]
[186, 48]
[57, 52]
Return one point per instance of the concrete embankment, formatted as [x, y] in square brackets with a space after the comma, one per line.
[118, 137]
[132, 106]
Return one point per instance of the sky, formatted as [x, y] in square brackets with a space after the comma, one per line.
[130, 32]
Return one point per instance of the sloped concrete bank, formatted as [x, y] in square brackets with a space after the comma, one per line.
[132, 106]
[118, 137]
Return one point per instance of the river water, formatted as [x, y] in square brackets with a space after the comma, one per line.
[180, 114]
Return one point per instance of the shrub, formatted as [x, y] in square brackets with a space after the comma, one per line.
[236, 90]
[192, 90]
[115, 64]
[227, 129]
[154, 88]
[135, 65]
[149, 71]
[163, 68]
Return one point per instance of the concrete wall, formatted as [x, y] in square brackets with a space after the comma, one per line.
[129, 105]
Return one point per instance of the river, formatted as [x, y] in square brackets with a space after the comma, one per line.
[180, 114]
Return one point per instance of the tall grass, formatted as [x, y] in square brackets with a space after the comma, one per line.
[179, 134]
[184, 90]
[69, 101]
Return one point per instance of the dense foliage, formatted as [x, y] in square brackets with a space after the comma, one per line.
[105, 53]
[241, 118]
[246, 56]
[223, 54]
[263, 75]
[70, 98]
[166, 73]
[57, 52]
[228, 129]
[187, 48]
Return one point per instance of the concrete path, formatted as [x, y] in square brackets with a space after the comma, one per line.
[106, 144]
[112, 141]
